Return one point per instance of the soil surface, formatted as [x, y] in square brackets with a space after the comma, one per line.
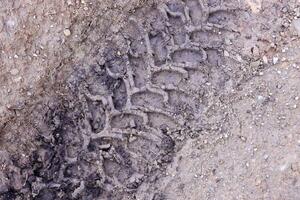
[150, 100]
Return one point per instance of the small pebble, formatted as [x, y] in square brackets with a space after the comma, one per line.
[266, 156]
[296, 25]
[226, 54]
[255, 51]
[14, 71]
[67, 32]
[18, 79]
[255, 64]
[275, 60]
[260, 99]
[265, 59]
[244, 139]
[104, 146]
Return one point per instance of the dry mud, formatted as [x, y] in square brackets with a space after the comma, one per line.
[150, 100]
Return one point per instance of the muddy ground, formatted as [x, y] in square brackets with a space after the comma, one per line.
[150, 100]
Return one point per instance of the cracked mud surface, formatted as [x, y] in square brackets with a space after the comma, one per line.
[166, 100]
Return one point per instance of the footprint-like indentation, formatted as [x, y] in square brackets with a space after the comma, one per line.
[156, 20]
[147, 98]
[206, 39]
[117, 65]
[195, 12]
[126, 120]
[175, 6]
[138, 48]
[188, 56]
[214, 3]
[215, 57]
[158, 44]
[98, 81]
[116, 170]
[167, 77]
[180, 37]
[132, 30]
[221, 17]
[97, 113]
[119, 95]
[175, 22]
[197, 79]
[145, 149]
[139, 68]
[183, 104]
[161, 121]
[219, 78]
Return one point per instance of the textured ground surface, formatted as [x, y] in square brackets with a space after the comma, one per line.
[150, 100]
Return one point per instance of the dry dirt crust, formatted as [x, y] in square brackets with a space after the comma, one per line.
[150, 100]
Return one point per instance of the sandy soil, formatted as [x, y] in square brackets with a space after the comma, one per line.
[150, 100]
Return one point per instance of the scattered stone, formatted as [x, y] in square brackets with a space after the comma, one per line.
[104, 146]
[244, 139]
[295, 66]
[18, 79]
[285, 49]
[239, 58]
[228, 41]
[69, 2]
[275, 60]
[295, 166]
[67, 32]
[260, 99]
[247, 164]
[226, 54]
[258, 182]
[255, 51]
[296, 26]
[265, 59]
[132, 138]
[14, 71]
[255, 6]
[255, 64]
[266, 156]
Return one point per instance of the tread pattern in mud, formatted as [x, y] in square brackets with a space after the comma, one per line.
[120, 127]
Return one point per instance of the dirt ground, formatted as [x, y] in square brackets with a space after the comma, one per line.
[150, 100]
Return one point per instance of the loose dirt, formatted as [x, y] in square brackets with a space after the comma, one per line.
[150, 100]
